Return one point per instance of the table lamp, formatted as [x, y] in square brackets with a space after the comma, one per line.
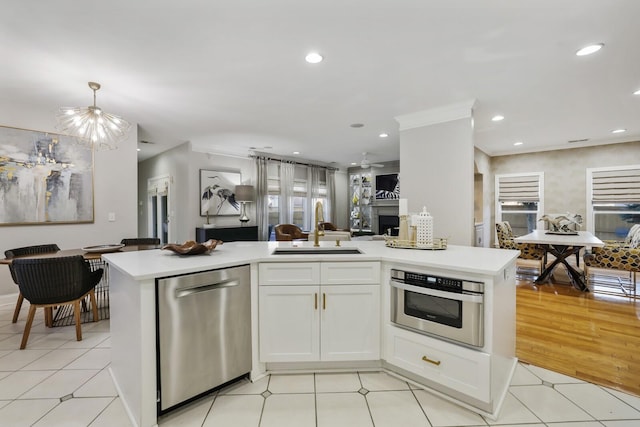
[244, 194]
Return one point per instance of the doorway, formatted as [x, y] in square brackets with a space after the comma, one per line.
[158, 222]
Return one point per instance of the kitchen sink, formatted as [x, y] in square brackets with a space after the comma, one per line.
[309, 250]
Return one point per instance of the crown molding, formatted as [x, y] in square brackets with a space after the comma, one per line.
[446, 113]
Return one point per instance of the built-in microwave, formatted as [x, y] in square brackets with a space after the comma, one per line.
[445, 307]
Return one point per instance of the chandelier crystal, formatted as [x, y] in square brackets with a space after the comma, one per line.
[94, 128]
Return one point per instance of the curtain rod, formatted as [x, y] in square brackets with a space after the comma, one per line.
[281, 159]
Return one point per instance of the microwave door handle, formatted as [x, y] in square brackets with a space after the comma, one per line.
[437, 293]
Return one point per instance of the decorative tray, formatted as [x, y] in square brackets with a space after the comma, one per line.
[192, 248]
[103, 248]
[439, 244]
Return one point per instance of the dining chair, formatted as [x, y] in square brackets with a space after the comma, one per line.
[26, 250]
[528, 251]
[620, 256]
[57, 281]
[141, 241]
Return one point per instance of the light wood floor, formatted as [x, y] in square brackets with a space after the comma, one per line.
[590, 336]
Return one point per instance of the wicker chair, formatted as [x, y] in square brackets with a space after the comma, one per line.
[50, 282]
[288, 232]
[141, 241]
[27, 250]
[528, 251]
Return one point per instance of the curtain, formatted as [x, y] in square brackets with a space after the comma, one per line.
[313, 190]
[262, 197]
[287, 173]
[331, 196]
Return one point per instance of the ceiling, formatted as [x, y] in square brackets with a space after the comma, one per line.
[230, 75]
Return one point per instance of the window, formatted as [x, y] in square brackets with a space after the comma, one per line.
[614, 195]
[302, 199]
[519, 200]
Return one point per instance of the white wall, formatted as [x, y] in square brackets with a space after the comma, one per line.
[115, 175]
[183, 166]
[436, 171]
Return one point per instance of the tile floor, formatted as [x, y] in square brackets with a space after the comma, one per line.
[58, 381]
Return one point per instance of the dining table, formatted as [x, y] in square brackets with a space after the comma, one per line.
[93, 254]
[562, 246]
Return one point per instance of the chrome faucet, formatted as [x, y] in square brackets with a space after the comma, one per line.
[318, 229]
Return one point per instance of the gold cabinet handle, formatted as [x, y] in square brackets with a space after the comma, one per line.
[435, 362]
[324, 301]
[315, 304]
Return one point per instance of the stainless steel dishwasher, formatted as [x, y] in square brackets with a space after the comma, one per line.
[203, 332]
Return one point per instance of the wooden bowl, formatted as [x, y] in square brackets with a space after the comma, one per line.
[192, 248]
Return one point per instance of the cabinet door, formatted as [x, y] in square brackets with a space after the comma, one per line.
[289, 323]
[350, 322]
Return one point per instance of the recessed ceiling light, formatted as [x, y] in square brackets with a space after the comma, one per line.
[383, 135]
[138, 149]
[588, 50]
[618, 130]
[296, 152]
[353, 163]
[637, 92]
[518, 143]
[356, 125]
[313, 58]
[497, 118]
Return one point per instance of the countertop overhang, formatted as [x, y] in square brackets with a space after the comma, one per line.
[143, 265]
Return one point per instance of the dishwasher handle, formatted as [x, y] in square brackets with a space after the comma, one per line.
[184, 292]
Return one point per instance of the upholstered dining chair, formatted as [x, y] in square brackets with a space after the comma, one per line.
[528, 251]
[140, 241]
[26, 250]
[288, 232]
[50, 282]
[621, 256]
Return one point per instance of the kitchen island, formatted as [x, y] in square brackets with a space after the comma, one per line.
[476, 378]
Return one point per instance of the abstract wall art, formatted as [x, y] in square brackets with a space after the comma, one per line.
[45, 178]
[217, 193]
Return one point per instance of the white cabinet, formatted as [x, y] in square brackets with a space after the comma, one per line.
[335, 319]
[289, 323]
[350, 322]
[457, 368]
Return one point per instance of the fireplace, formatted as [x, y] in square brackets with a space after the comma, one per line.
[388, 221]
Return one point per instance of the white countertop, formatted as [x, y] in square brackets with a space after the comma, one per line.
[540, 237]
[144, 265]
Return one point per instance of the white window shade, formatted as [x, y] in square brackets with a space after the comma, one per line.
[521, 188]
[616, 186]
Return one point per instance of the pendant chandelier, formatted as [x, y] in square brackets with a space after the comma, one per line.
[94, 128]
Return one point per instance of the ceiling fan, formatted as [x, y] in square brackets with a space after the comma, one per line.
[366, 163]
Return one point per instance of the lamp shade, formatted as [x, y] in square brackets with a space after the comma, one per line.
[244, 193]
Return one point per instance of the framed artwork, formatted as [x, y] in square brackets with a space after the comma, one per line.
[45, 178]
[388, 187]
[217, 193]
